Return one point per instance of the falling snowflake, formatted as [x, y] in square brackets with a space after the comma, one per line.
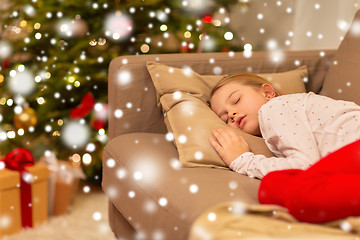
[163, 202]
[198, 155]
[187, 71]
[169, 136]
[346, 226]
[177, 95]
[233, 185]
[22, 81]
[355, 28]
[97, 216]
[211, 217]
[118, 25]
[237, 208]
[217, 70]
[194, 188]
[74, 134]
[124, 77]
[182, 139]
[5, 49]
[110, 163]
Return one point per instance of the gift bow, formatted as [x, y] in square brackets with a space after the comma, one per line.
[17, 160]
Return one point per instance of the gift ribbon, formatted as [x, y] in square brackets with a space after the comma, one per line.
[17, 160]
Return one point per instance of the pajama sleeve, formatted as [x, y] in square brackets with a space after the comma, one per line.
[287, 133]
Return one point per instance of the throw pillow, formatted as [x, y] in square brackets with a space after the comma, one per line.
[183, 95]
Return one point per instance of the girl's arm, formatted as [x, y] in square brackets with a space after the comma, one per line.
[235, 153]
[287, 133]
[285, 127]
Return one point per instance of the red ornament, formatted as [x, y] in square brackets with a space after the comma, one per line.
[100, 116]
[184, 49]
[98, 124]
[6, 63]
[87, 103]
[207, 19]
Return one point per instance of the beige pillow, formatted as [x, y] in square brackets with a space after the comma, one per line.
[183, 95]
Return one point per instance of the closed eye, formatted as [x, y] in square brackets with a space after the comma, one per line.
[225, 120]
[237, 101]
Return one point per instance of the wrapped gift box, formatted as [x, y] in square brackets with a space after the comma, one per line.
[65, 190]
[10, 210]
[23, 185]
[63, 183]
[39, 193]
[10, 198]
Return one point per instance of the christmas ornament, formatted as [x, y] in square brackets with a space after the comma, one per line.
[6, 63]
[30, 10]
[79, 27]
[87, 103]
[73, 28]
[27, 118]
[17, 31]
[98, 124]
[207, 19]
[185, 48]
[100, 116]
[118, 25]
[161, 16]
[243, 5]
[198, 6]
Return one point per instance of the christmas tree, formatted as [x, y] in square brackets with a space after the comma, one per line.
[54, 57]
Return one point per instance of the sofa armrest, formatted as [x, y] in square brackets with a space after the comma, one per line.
[143, 181]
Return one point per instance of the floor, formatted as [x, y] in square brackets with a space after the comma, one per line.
[87, 220]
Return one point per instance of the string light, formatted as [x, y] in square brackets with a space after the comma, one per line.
[40, 100]
[86, 159]
[37, 26]
[144, 48]
[163, 27]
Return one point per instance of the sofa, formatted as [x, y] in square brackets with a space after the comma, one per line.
[151, 194]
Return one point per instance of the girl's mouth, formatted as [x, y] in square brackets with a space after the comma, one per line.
[240, 121]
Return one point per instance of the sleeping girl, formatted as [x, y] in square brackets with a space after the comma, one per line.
[315, 171]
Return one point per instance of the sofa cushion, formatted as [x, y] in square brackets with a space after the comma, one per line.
[343, 79]
[183, 95]
[165, 197]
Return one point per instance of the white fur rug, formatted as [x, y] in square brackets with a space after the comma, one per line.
[88, 220]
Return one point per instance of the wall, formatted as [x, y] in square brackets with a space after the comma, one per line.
[294, 24]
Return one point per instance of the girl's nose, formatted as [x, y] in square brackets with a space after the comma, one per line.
[232, 116]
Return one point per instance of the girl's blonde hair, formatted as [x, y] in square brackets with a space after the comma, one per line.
[247, 79]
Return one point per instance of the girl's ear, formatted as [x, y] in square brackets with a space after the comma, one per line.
[268, 91]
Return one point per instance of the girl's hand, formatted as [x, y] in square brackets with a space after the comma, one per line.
[228, 145]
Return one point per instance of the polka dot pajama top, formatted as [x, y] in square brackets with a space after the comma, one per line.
[300, 129]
